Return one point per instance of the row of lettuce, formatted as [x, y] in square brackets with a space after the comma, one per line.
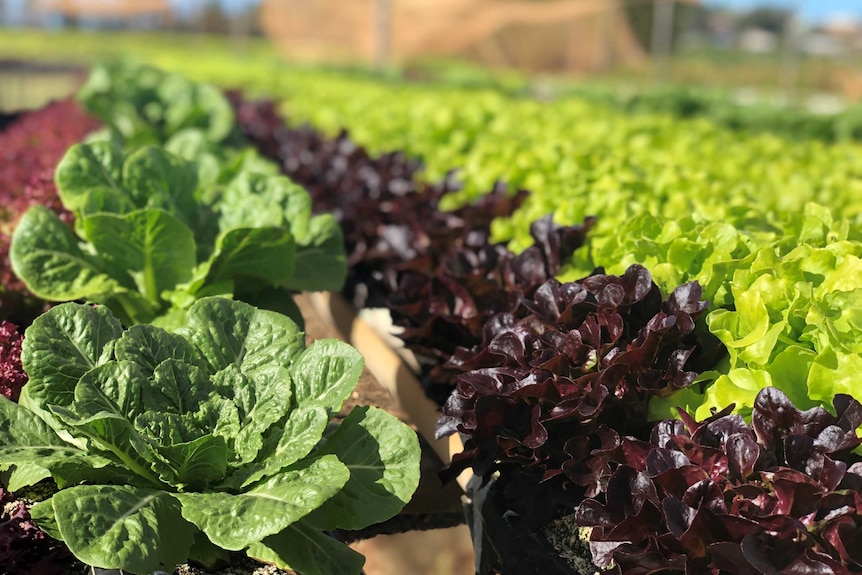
[556, 384]
[185, 418]
[768, 226]
[736, 112]
[555, 379]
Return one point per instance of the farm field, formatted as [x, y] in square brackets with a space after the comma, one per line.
[567, 274]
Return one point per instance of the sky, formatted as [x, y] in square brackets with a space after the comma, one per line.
[811, 10]
[16, 7]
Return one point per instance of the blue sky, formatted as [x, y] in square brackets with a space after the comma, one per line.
[16, 7]
[812, 10]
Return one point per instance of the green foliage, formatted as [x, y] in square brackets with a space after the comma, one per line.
[150, 238]
[743, 214]
[166, 444]
[148, 106]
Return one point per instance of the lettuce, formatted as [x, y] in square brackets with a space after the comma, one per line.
[780, 495]
[148, 243]
[147, 106]
[795, 325]
[534, 395]
[170, 446]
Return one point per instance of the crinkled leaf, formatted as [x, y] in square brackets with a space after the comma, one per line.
[227, 332]
[326, 372]
[61, 346]
[176, 387]
[197, 463]
[149, 346]
[261, 401]
[113, 387]
[302, 431]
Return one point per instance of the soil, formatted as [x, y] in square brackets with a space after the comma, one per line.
[572, 543]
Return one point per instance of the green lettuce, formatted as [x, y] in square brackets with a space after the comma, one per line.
[795, 323]
[149, 239]
[148, 106]
[174, 446]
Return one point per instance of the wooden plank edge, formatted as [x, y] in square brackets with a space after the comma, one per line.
[391, 372]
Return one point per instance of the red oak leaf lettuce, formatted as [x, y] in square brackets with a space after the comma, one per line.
[781, 495]
[547, 377]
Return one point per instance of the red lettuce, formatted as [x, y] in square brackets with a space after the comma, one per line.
[445, 300]
[781, 495]
[548, 376]
[30, 148]
[24, 548]
[435, 270]
[12, 376]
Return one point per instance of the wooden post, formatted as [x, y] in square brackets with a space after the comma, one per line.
[661, 44]
[382, 32]
[789, 72]
[604, 46]
[240, 25]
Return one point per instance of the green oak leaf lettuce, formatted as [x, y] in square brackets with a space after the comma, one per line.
[795, 323]
[170, 446]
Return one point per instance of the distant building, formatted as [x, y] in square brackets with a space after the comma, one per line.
[758, 41]
[847, 30]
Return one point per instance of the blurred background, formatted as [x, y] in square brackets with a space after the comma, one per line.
[800, 53]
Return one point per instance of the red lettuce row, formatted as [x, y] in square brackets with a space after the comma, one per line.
[445, 300]
[30, 148]
[388, 217]
[435, 270]
[547, 376]
[781, 495]
[12, 376]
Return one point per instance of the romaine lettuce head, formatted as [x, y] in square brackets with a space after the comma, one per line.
[169, 446]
